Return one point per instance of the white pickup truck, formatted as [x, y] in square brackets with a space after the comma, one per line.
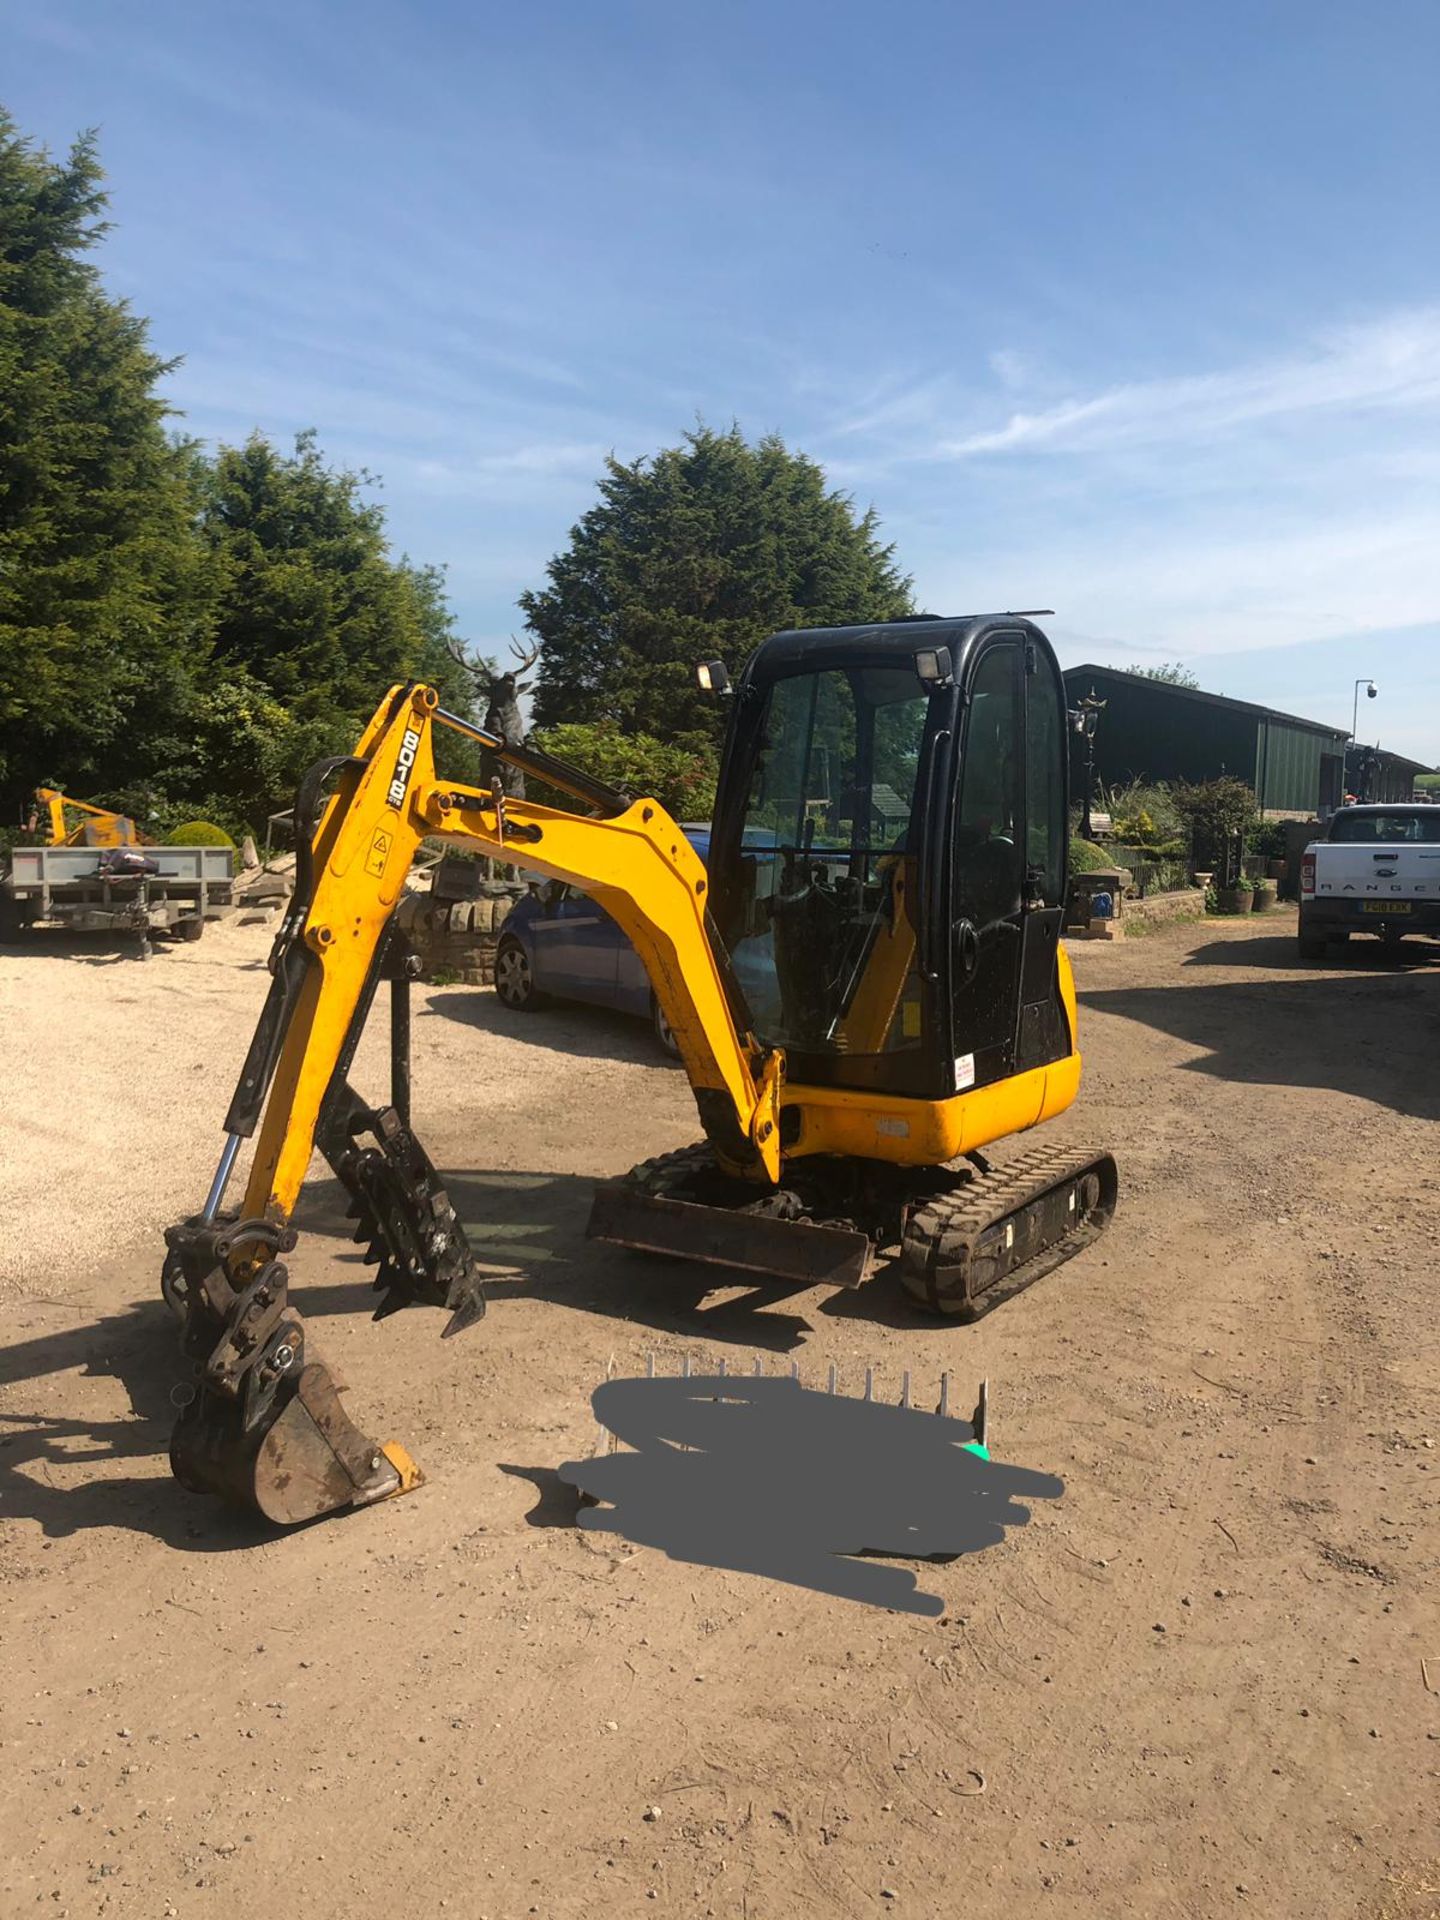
[1377, 870]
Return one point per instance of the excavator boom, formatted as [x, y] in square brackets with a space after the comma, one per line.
[265, 1425]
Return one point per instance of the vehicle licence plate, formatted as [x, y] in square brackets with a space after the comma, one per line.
[1384, 906]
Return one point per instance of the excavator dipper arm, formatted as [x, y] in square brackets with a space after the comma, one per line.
[265, 1426]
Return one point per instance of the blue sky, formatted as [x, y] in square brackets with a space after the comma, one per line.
[1128, 310]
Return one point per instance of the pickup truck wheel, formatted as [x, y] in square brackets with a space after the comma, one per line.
[514, 982]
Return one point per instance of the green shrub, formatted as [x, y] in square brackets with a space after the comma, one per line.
[199, 833]
[1144, 816]
[680, 775]
[1266, 840]
[1086, 857]
[1219, 813]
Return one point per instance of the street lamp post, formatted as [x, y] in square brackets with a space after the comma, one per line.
[1370, 692]
[1083, 717]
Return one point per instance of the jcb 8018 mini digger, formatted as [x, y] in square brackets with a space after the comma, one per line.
[867, 988]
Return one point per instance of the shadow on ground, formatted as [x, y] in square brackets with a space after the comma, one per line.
[1278, 952]
[107, 949]
[767, 1477]
[1372, 1034]
[530, 1226]
[89, 949]
[596, 1033]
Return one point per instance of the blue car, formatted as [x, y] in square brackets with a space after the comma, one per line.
[557, 943]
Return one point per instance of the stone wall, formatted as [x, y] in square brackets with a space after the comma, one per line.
[455, 937]
[1188, 904]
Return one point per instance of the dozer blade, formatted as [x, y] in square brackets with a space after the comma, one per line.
[306, 1459]
[965, 1251]
[792, 1250]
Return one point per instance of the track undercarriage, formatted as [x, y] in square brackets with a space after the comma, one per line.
[968, 1234]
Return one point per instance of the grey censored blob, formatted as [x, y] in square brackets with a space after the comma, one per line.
[765, 1476]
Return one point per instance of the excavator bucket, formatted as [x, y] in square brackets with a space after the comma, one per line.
[308, 1460]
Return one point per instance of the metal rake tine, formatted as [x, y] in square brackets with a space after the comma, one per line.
[869, 1383]
[944, 1396]
[759, 1368]
[650, 1365]
[905, 1388]
[795, 1371]
[833, 1379]
[685, 1367]
[722, 1367]
[605, 1441]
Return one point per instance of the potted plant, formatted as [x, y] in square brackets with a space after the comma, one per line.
[1265, 895]
[1237, 897]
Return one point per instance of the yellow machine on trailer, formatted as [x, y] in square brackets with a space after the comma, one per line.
[866, 985]
[96, 827]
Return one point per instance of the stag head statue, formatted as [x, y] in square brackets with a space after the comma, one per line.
[502, 688]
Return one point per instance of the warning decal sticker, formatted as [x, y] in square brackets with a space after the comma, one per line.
[380, 843]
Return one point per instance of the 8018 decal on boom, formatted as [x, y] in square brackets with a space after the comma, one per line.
[404, 764]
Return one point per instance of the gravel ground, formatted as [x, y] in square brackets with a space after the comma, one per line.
[119, 1072]
[1203, 1682]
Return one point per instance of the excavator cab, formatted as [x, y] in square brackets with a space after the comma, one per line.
[888, 859]
[865, 983]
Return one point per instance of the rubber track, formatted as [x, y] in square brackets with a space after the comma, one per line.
[941, 1235]
[668, 1171]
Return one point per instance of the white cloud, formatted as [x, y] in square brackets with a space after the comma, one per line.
[1391, 363]
[1213, 591]
[501, 468]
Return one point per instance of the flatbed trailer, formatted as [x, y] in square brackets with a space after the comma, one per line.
[79, 890]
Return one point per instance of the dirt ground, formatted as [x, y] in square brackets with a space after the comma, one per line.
[1193, 1685]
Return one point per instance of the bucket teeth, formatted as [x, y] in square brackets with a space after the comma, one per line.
[721, 1369]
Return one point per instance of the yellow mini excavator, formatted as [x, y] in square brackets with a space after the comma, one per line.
[866, 984]
[96, 826]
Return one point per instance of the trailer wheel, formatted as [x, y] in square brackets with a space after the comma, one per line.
[14, 918]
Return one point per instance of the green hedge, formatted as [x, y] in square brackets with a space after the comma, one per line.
[199, 833]
[1086, 857]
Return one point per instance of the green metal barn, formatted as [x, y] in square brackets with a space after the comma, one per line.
[1151, 730]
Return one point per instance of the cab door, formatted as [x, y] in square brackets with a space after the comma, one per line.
[988, 868]
[1042, 1034]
